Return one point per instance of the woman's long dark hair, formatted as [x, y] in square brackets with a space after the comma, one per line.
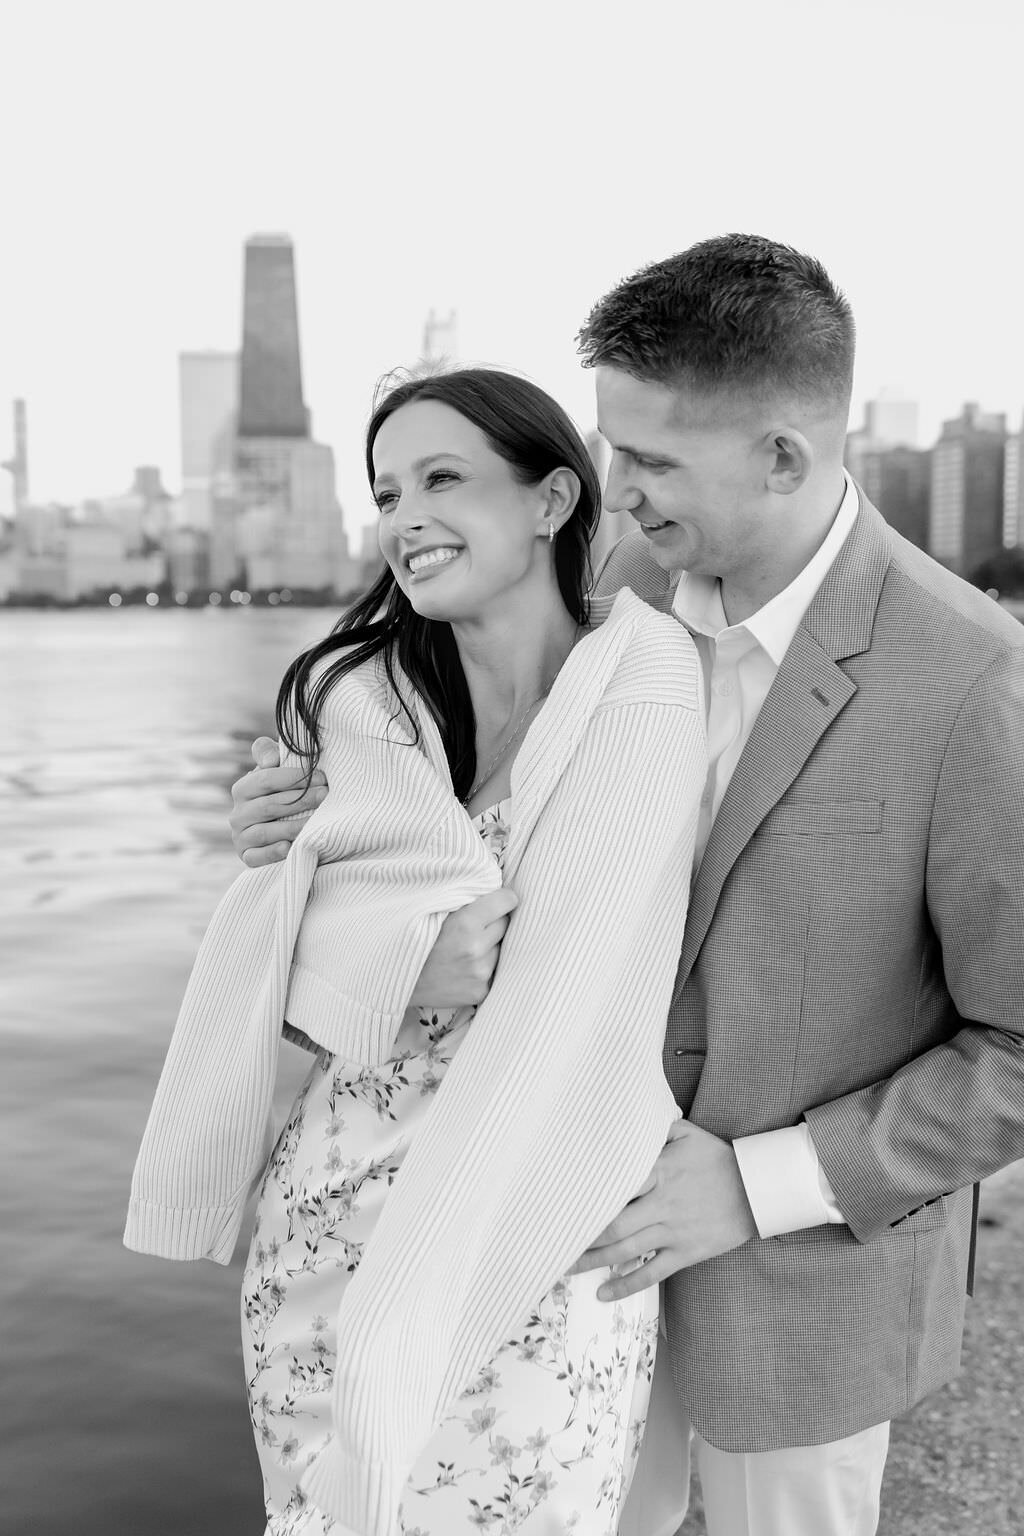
[534, 436]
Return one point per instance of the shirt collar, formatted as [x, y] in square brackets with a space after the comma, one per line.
[698, 599]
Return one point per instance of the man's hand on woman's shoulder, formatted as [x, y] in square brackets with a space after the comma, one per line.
[268, 811]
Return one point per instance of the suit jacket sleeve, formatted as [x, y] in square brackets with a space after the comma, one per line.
[956, 1113]
[629, 564]
[555, 1106]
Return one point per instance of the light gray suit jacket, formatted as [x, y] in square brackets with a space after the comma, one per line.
[854, 953]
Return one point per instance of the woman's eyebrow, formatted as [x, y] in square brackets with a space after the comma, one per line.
[419, 465]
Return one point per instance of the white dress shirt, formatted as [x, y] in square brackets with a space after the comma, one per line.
[785, 1183]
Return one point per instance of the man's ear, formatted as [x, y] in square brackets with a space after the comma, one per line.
[790, 459]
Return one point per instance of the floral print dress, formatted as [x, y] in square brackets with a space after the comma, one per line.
[545, 1439]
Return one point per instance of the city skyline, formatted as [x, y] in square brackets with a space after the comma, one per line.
[869, 416]
[258, 519]
[258, 514]
[417, 166]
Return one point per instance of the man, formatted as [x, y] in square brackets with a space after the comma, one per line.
[847, 1034]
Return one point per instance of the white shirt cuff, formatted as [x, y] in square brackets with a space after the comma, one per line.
[785, 1183]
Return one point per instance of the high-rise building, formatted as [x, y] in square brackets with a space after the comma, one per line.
[1013, 491]
[897, 480]
[188, 559]
[208, 393]
[275, 520]
[895, 475]
[226, 568]
[271, 403]
[371, 561]
[965, 523]
[891, 421]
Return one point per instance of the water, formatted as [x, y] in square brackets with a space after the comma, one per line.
[123, 1406]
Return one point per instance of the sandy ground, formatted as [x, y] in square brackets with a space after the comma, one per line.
[956, 1463]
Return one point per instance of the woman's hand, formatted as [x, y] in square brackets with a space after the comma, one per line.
[267, 816]
[460, 966]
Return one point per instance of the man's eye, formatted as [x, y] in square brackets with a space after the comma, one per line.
[654, 465]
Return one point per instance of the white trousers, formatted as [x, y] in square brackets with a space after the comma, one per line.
[811, 1490]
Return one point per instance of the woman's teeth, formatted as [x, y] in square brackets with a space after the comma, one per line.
[432, 557]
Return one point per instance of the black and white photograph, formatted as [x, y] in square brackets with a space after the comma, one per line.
[512, 768]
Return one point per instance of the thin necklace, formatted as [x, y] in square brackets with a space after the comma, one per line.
[481, 778]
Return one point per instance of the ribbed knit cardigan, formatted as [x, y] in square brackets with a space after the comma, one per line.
[333, 939]
[555, 1106]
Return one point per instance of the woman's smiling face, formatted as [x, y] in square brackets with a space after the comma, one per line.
[457, 528]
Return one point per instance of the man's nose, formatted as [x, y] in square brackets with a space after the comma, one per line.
[620, 495]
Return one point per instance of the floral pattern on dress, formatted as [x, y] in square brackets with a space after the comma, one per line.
[545, 1438]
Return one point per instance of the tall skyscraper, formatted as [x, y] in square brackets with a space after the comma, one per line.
[208, 393]
[275, 518]
[271, 403]
[966, 504]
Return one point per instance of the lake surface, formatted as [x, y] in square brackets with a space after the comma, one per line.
[123, 1406]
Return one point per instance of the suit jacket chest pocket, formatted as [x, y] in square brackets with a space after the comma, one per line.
[825, 819]
[835, 852]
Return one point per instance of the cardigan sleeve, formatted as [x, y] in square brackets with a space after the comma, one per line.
[555, 1106]
[395, 854]
[370, 879]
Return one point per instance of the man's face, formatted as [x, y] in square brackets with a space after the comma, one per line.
[692, 478]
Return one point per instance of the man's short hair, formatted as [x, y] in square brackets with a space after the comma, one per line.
[735, 315]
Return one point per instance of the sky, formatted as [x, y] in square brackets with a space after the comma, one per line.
[510, 162]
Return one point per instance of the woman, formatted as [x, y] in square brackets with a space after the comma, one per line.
[418, 1359]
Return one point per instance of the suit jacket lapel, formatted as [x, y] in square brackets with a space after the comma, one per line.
[808, 694]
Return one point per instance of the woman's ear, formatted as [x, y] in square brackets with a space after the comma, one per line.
[561, 492]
